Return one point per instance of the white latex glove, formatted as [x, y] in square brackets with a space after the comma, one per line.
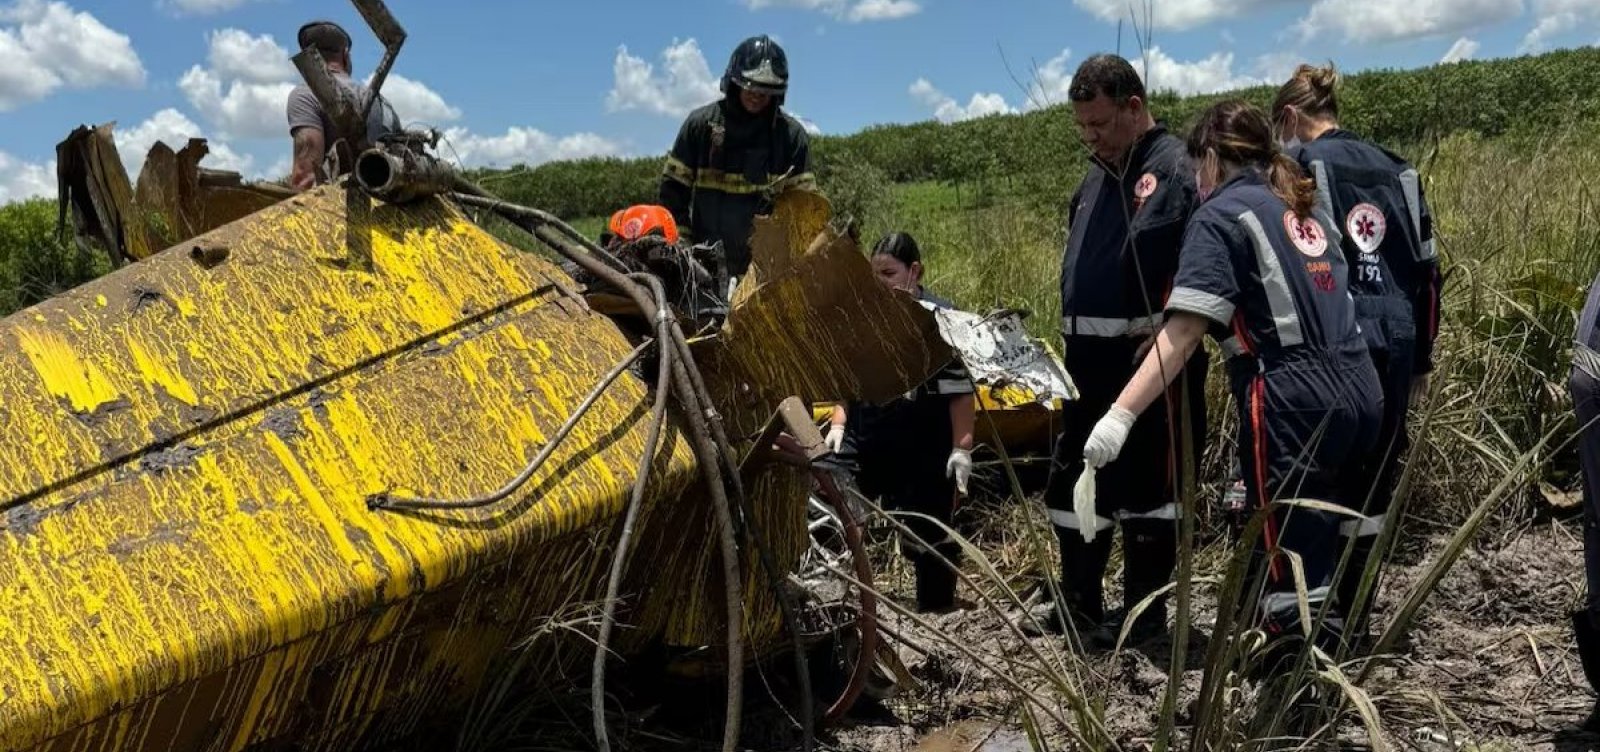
[1106, 440]
[1083, 504]
[959, 466]
[835, 437]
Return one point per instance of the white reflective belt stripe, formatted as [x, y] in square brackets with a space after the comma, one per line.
[1411, 186]
[1586, 359]
[1095, 326]
[1289, 602]
[1319, 170]
[1365, 527]
[1167, 511]
[951, 386]
[1232, 348]
[1274, 284]
[1066, 519]
[1063, 518]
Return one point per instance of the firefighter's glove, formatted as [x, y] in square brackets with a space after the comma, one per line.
[1106, 440]
[959, 466]
[835, 437]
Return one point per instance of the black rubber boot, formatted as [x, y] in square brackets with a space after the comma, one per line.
[1083, 569]
[936, 585]
[1345, 590]
[1150, 554]
[1588, 638]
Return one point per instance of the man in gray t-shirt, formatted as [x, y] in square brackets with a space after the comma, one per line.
[313, 132]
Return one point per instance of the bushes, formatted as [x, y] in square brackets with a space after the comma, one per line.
[1035, 154]
[34, 262]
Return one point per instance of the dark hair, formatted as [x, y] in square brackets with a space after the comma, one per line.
[328, 37]
[1238, 132]
[1108, 75]
[900, 246]
[1309, 90]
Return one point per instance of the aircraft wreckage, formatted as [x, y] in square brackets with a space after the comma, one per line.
[309, 475]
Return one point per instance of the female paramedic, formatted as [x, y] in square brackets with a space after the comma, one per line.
[1261, 273]
[1585, 386]
[1376, 200]
[916, 450]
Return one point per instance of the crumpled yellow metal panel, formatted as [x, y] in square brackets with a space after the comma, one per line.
[187, 560]
[818, 324]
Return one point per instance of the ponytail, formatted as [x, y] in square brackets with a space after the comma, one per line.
[1290, 184]
[1237, 133]
[1311, 90]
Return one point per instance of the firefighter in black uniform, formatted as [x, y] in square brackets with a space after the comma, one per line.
[1585, 385]
[1261, 272]
[915, 452]
[1126, 223]
[733, 155]
[1376, 200]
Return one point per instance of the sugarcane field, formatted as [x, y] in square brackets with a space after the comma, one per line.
[1145, 401]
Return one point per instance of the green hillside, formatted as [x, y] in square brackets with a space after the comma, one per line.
[1035, 154]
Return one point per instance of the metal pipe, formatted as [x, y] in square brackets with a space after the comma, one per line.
[399, 175]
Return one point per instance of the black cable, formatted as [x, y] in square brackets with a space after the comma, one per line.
[597, 684]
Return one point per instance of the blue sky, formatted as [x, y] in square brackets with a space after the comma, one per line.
[525, 82]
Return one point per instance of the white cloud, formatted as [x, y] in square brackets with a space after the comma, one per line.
[1463, 49]
[1176, 15]
[47, 45]
[244, 91]
[526, 146]
[947, 110]
[1557, 17]
[202, 7]
[683, 83]
[416, 103]
[256, 59]
[1277, 67]
[1050, 82]
[882, 10]
[241, 109]
[854, 11]
[1207, 76]
[1387, 20]
[21, 180]
[174, 129]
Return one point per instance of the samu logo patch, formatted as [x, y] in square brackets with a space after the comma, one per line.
[1366, 226]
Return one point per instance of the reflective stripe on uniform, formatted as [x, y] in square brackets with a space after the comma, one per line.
[677, 169]
[1063, 518]
[1364, 527]
[1586, 360]
[952, 386]
[1289, 602]
[1094, 326]
[1167, 511]
[1276, 286]
[1233, 348]
[1213, 307]
[1319, 171]
[734, 183]
[1410, 185]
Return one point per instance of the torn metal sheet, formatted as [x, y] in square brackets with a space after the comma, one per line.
[998, 351]
[818, 324]
[173, 200]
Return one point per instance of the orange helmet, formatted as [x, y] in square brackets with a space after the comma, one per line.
[638, 221]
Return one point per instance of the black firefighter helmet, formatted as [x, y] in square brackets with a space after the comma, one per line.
[758, 64]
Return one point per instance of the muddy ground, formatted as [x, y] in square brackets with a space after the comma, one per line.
[1489, 664]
